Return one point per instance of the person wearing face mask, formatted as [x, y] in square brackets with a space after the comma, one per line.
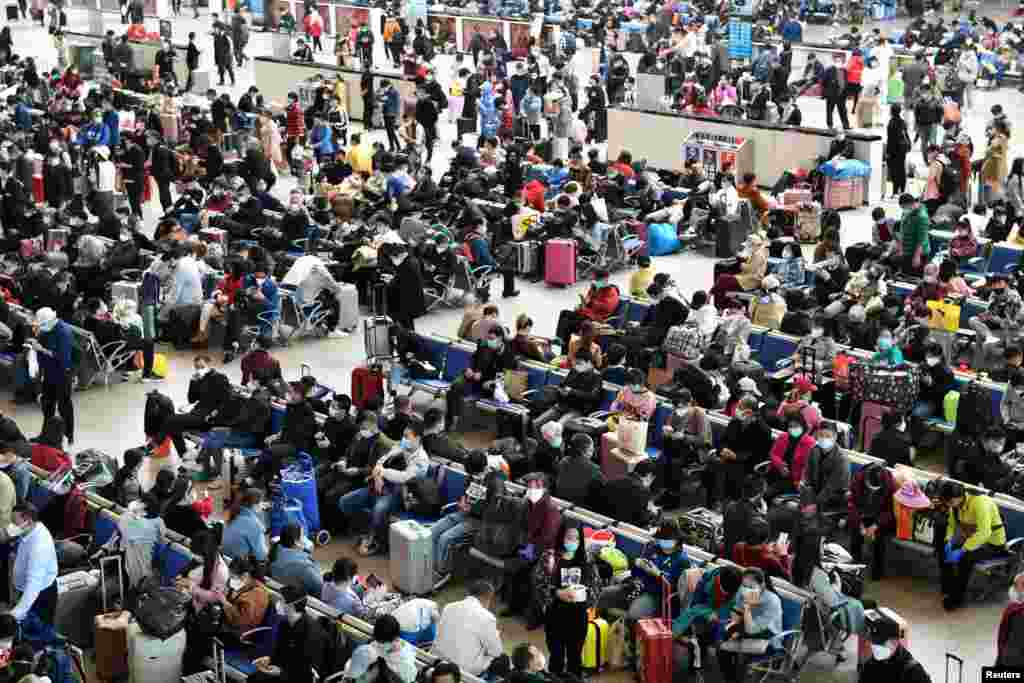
[566, 585]
[635, 401]
[984, 464]
[1011, 408]
[300, 423]
[491, 358]
[827, 472]
[667, 312]
[137, 537]
[578, 395]
[53, 346]
[629, 498]
[246, 601]
[892, 444]
[302, 646]
[1003, 314]
[936, 381]
[872, 517]
[746, 443]
[789, 456]
[914, 227]
[383, 494]
[405, 291]
[57, 181]
[342, 590]
[888, 353]
[292, 565]
[686, 440]
[387, 645]
[244, 533]
[209, 392]
[744, 514]
[543, 520]
[974, 532]
[768, 308]
[579, 479]
[890, 660]
[35, 569]
[1009, 641]
[756, 615]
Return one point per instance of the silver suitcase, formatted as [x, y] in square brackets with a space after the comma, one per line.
[411, 557]
[527, 259]
[349, 300]
[75, 593]
[125, 290]
[377, 331]
[57, 239]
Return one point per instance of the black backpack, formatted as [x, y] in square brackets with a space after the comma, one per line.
[796, 323]
[830, 218]
[974, 411]
[423, 497]
[502, 526]
[340, 649]
[701, 387]
[158, 408]
[949, 181]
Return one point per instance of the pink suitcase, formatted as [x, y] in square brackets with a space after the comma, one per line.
[609, 442]
[871, 422]
[560, 262]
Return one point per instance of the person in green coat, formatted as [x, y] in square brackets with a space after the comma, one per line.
[914, 228]
[287, 23]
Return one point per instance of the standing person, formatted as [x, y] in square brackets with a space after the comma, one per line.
[296, 131]
[103, 181]
[134, 173]
[994, 167]
[222, 55]
[595, 113]
[35, 572]
[913, 75]
[854, 74]
[239, 37]
[890, 661]
[897, 146]
[366, 90]
[191, 58]
[313, 24]
[834, 92]
[967, 68]
[566, 585]
[427, 115]
[872, 517]
[405, 292]
[364, 46]
[53, 346]
[163, 168]
[914, 228]
[391, 104]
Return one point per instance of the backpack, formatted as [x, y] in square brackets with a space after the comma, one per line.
[684, 341]
[974, 411]
[502, 527]
[796, 323]
[423, 497]
[702, 387]
[158, 408]
[949, 181]
[123, 255]
[830, 218]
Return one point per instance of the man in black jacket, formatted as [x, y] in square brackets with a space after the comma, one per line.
[301, 645]
[15, 199]
[747, 442]
[191, 59]
[222, 55]
[209, 392]
[579, 479]
[214, 162]
[134, 173]
[248, 215]
[579, 394]
[835, 92]
[628, 499]
[256, 167]
[164, 168]
[405, 292]
[740, 515]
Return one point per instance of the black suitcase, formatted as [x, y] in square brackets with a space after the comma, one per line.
[726, 266]
[465, 126]
[729, 236]
[12, 12]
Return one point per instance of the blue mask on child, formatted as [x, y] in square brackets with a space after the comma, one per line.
[666, 544]
[571, 546]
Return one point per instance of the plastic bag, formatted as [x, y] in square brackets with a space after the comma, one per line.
[32, 359]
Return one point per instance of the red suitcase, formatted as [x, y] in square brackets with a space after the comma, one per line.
[560, 262]
[654, 644]
[871, 422]
[367, 385]
[38, 194]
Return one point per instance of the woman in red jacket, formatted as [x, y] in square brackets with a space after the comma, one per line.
[296, 130]
[314, 25]
[789, 457]
[854, 70]
[543, 520]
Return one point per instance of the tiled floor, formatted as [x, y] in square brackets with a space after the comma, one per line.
[111, 418]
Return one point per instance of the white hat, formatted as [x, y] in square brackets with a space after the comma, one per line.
[46, 318]
[102, 150]
[747, 385]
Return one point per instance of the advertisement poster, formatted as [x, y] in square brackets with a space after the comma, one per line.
[691, 152]
[471, 26]
[710, 160]
[347, 18]
[727, 160]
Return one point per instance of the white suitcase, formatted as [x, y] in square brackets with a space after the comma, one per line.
[125, 290]
[151, 660]
[349, 301]
[411, 557]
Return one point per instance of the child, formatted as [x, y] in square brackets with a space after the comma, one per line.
[964, 245]
[642, 278]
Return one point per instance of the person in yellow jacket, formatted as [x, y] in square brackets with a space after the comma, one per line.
[974, 532]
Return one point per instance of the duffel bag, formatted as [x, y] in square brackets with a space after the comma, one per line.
[161, 611]
[897, 388]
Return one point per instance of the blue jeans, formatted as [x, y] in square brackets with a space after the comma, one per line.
[923, 409]
[452, 529]
[380, 508]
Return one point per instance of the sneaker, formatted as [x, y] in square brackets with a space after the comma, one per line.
[337, 334]
[442, 581]
[510, 295]
[151, 379]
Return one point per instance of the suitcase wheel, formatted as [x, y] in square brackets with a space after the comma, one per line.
[323, 537]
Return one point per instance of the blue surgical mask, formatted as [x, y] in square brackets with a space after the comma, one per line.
[408, 445]
[796, 432]
[600, 284]
[666, 544]
[884, 344]
[571, 546]
[826, 444]
[556, 442]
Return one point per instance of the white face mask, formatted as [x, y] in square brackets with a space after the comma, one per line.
[1015, 595]
[881, 652]
[14, 530]
[932, 361]
[534, 495]
[817, 332]
[137, 509]
[235, 584]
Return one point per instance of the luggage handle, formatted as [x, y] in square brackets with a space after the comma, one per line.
[104, 563]
[950, 657]
[666, 600]
[305, 370]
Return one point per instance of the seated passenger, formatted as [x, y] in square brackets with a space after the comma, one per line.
[292, 565]
[798, 401]
[635, 401]
[628, 498]
[138, 537]
[246, 602]
[756, 616]
[753, 258]
[789, 457]
[663, 558]
[526, 345]
[383, 494]
[579, 480]
[468, 634]
[768, 307]
[179, 513]
[760, 551]
[491, 358]
[461, 526]
[550, 447]
[746, 443]
[598, 304]
[301, 646]
[341, 590]
[827, 471]
[244, 533]
[888, 353]
[387, 646]
[974, 532]
[578, 395]
[711, 603]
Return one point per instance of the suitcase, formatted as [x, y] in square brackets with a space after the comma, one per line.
[75, 593]
[619, 463]
[843, 194]
[348, 316]
[871, 422]
[112, 624]
[151, 660]
[377, 333]
[702, 528]
[367, 386]
[12, 12]
[654, 645]
[465, 126]
[729, 236]
[595, 647]
[527, 257]
[560, 262]
[57, 239]
[38, 190]
[411, 557]
[125, 290]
